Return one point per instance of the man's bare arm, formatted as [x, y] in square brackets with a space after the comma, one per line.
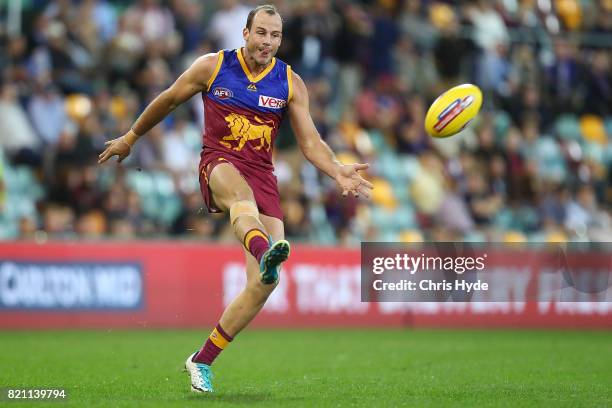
[192, 81]
[317, 151]
[314, 148]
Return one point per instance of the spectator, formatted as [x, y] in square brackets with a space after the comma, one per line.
[16, 132]
[598, 99]
[450, 51]
[562, 76]
[583, 214]
[179, 147]
[154, 24]
[354, 27]
[429, 187]
[483, 203]
[385, 36]
[46, 110]
[226, 24]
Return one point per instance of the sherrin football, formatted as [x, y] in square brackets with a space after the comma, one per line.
[453, 110]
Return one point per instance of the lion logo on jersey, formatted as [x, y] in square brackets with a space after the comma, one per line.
[242, 130]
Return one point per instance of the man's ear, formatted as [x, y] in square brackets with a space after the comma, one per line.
[245, 33]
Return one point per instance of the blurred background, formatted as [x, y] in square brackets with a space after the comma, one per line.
[130, 246]
[535, 166]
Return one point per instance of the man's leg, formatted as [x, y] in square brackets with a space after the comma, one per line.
[249, 302]
[229, 188]
[231, 191]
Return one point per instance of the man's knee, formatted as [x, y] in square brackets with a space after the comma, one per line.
[243, 208]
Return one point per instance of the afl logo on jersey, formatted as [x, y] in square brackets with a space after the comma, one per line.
[222, 93]
[270, 102]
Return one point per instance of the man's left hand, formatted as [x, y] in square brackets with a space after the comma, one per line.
[351, 182]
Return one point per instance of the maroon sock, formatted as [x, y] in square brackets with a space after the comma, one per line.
[214, 345]
[256, 242]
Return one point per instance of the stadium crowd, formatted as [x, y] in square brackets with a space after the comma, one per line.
[536, 165]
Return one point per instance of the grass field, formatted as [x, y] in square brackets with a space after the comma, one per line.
[317, 368]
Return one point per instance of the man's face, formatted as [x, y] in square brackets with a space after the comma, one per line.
[264, 37]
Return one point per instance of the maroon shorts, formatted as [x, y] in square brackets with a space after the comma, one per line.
[262, 182]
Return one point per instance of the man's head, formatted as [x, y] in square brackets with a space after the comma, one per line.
[263, 33]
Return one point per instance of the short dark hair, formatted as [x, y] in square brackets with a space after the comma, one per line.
[268, 8]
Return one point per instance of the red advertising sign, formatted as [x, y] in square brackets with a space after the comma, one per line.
[169, 284]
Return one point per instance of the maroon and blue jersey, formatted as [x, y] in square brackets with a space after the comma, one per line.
[242, 112]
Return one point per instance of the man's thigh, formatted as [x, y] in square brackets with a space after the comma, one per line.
[228, 186]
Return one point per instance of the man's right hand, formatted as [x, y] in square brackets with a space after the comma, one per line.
[119, 147]
[194, 80]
